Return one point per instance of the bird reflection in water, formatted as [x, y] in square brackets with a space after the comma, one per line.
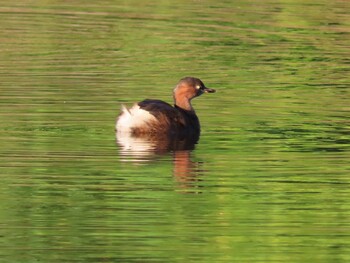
[153, 127]
[138, 150]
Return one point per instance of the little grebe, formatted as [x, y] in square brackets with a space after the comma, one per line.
[158, 118]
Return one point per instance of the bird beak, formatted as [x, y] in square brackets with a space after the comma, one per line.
[207, 90]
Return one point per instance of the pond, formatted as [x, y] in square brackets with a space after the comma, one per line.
[268, 180]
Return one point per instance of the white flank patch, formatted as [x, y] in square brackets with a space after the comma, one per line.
[133, 118]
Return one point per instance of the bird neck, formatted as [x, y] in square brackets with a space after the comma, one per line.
[183, 103]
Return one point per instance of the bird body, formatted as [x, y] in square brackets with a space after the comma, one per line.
[158, 118]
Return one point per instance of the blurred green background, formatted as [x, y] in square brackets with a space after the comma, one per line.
[269, 178]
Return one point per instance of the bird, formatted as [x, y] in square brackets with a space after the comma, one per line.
[157, 119]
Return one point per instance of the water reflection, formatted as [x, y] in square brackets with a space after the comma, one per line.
[187, 173]
[145, 149]
[149, 145]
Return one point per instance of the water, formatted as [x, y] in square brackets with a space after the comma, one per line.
[268, 180]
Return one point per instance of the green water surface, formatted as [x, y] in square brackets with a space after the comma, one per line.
[267, 182]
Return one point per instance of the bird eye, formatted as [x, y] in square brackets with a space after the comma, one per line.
[198, 87]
